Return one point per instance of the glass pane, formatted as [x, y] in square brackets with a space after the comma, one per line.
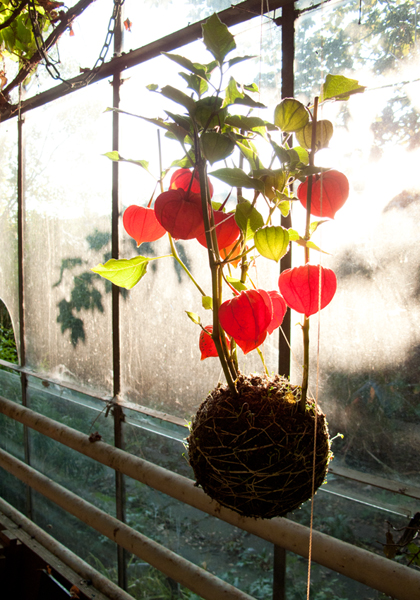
[9, 292]
[161, 365]
[81, 474]
[96, 549]
[239, 558]
[68, 231]
[171, 16]
[12, 490]
[370, 334]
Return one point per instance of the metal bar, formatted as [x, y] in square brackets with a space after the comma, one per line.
[396, 487]
[279, 573]
[117, 412]
[195, 578]
[375, 571]
[21, 289]
[287, 22]
[79, 566]
[238, 13]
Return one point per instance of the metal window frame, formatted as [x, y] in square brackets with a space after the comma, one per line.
[232, 16]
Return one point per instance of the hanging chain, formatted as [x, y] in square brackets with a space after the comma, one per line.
[51, 65]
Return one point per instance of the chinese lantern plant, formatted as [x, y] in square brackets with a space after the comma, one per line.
[251, 443]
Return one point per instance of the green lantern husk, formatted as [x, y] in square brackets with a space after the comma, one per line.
[254, 453]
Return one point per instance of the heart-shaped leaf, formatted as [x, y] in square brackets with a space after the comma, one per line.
[248, 218]
[237, 178]
[217, 38]
[216, 146]
[122, 272]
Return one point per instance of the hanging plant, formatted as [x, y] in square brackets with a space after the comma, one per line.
[257, 444]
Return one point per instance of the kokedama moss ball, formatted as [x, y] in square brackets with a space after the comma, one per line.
[254, 453]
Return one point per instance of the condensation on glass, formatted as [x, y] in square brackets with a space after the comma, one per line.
[160, 358]
[67, 231]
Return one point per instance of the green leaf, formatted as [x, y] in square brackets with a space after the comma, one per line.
[182, 121]
[250, 152]
[284, 207]
[248, 101]
[281, 153]
[237, 178]
[238, 59]
[179, 97]
[217, 38]
[194, 317]
[236, 284]
[152, 87]
[208, 112]
[122, 272]
[309, 244]
[247, 123]
[232, 93]
[272, 242]
[252, 87]
[248, 218]
[184, 162]
[196, 83]
[216, 146]
[298, 155]
[116, 157]
[293, 235]
[195, 68]
[178, 132]
[314, 226]
[338, 87]
[207, 302]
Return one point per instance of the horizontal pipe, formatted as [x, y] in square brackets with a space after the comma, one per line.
[374, 571]
[181, 570]
[79, 566]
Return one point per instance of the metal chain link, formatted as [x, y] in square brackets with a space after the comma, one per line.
[52, 66]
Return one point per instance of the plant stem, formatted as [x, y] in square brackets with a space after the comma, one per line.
[305, 326]
[179, 261]
[216, 272]
[263, 362]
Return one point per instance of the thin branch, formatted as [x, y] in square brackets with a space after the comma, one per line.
[66, 20]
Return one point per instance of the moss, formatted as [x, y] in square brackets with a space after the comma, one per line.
[255, 453]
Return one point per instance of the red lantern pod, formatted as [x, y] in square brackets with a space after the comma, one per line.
[329, 193]
[246, 318]
[179, 213]
[227, 231]
[279, 310]
[300, 288]
[142, 225]
[181, 179]
[206, 343]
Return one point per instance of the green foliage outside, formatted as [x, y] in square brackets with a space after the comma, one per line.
[8, 350]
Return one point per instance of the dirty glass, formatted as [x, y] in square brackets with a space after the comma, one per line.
[96, 549]
[161, 365]
[370, 334]
[9, 292]
[149, 21]
[67, 231]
